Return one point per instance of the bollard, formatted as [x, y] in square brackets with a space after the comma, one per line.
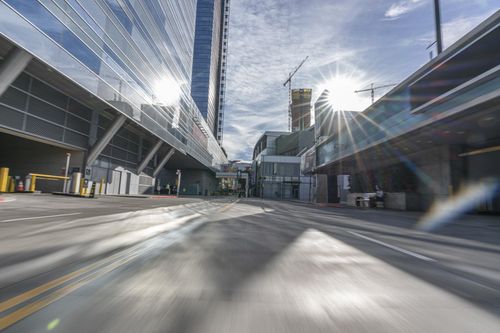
[27, 182]
[81, 189]
[4, 178]
[76, 179]
[101, 185]
[12, 184]
[92, 191]
[32, 184]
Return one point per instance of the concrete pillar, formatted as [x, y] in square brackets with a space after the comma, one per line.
[162, 163]
[149, 156]
[14, 64]
[99, 146]
[458, 167]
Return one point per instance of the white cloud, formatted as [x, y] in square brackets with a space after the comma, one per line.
[458, 27]
[268, 38]
[403, 7]
[454, 30]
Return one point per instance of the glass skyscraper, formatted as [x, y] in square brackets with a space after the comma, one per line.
[209, 64]
[114, 58]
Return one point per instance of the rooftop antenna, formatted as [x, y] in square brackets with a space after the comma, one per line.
[289, 82]
[373, 88]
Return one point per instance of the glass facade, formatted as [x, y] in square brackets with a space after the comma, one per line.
[431, 88]
[134, 55]
[209, 63]
[389, 120]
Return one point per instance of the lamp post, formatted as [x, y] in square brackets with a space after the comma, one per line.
[439, 37]
[179, 175]
[68, 157]
[238, 175]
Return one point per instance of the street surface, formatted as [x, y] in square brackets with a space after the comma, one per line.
[227, 265]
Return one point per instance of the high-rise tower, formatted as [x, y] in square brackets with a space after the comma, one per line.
[209, 65]
[301, 109]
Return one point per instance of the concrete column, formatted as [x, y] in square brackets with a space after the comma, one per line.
[99, 146]
[14, 64]
[162, 163]
[149, 156]
[458, 167]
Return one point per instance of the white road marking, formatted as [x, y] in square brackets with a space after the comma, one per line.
[410, 253]
[38, 217]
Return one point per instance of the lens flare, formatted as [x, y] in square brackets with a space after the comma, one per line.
[468, 198]
[342, 95]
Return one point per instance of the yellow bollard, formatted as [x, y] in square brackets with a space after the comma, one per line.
[12, 185]
[101, 185]
[32, 183]
[4, 178]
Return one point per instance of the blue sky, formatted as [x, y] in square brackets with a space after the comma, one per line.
[357, 41]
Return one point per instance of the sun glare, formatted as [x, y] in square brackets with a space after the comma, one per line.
[167, 92]
[342, 95]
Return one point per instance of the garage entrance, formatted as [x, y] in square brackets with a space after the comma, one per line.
[25, 154]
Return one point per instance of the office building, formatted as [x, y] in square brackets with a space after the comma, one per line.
[276, 166]
[209, 64]
[109, 82]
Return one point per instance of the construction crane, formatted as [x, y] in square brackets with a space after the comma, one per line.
[372, 89]
[289, 82]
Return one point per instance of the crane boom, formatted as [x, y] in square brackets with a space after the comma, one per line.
[289, 82]
[375, 88]
[372, 89]
[292, 74]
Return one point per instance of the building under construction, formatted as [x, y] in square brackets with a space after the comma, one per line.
[301, 109]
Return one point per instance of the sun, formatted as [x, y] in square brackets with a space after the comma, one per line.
[342, 96]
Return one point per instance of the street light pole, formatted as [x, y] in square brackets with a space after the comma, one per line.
[439, 37]
[66, 172]
[179, 175]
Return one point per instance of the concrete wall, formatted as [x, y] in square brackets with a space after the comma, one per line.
[481, 167]
[432, 168]
[321, 188]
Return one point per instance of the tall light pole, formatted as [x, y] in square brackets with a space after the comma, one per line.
[179, 175]
[439, 37]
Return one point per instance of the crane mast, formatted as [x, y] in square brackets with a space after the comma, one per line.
[289, 83]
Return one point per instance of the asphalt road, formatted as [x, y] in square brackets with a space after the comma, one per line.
[247, 266]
